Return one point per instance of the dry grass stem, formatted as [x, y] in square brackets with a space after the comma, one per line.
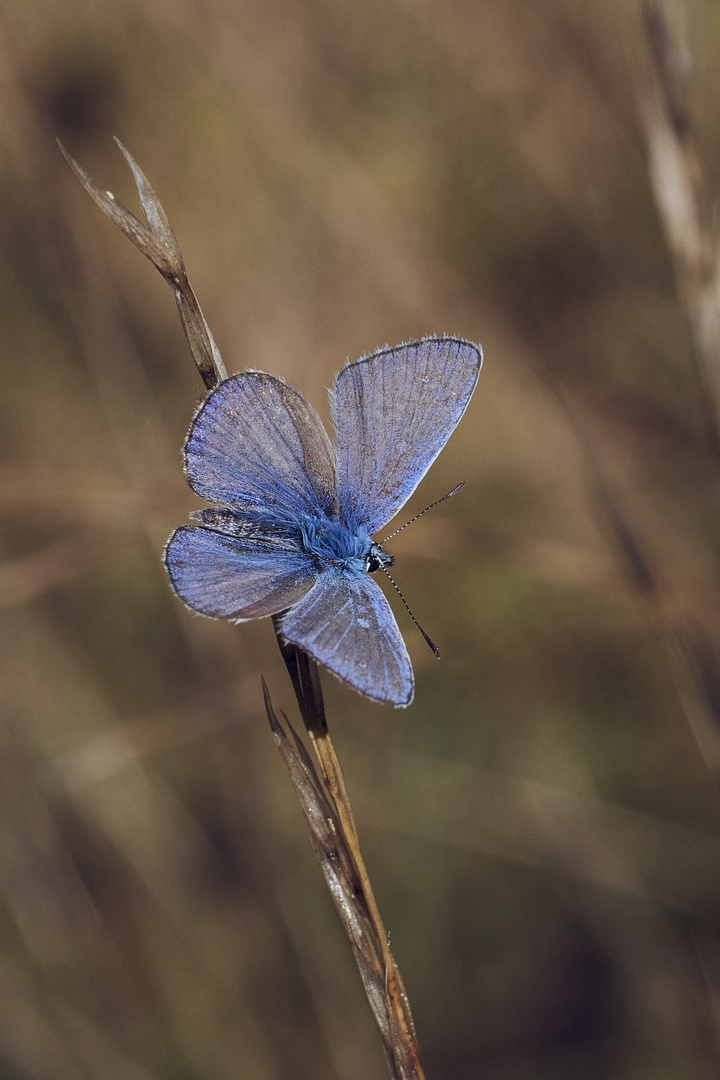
[682, 201]
[326, 806]
[681, 197]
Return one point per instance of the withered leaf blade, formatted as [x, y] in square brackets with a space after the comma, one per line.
[336, 861]
[156, 240]
[154, 211]
[135, 230]
[336, 864]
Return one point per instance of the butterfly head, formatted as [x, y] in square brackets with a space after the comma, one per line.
[377, 559]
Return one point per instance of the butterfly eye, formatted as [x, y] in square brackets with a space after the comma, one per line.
[377, 559]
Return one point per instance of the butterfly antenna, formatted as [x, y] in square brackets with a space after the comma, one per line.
[436, 503]
[429, 640]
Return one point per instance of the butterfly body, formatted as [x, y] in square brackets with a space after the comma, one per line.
[331, 542]
[292, 525]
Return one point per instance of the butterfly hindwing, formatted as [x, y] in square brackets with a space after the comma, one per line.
[346, 624]
[394, 411]
[227, 577]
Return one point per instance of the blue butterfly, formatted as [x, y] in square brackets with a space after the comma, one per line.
[292, 525]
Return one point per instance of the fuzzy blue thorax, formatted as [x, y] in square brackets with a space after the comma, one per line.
[334, 543]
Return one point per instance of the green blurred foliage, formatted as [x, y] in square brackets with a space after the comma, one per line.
[541, 829]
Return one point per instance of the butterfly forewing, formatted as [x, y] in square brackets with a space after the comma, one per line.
[394, 411]
[226, 577]
[257, 445]
[346, 624]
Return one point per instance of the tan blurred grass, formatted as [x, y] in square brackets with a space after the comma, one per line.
[341, 176]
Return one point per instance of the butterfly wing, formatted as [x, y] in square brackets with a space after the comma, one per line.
[228, 577]
[394, 411]
[346, 624]
[257, 445]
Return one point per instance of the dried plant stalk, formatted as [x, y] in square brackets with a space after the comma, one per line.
[335, 845]
[325, 802]
[350, 890]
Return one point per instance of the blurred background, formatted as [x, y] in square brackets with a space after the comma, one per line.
[542, 825]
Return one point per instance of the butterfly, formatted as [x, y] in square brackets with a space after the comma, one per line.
[293, 518]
